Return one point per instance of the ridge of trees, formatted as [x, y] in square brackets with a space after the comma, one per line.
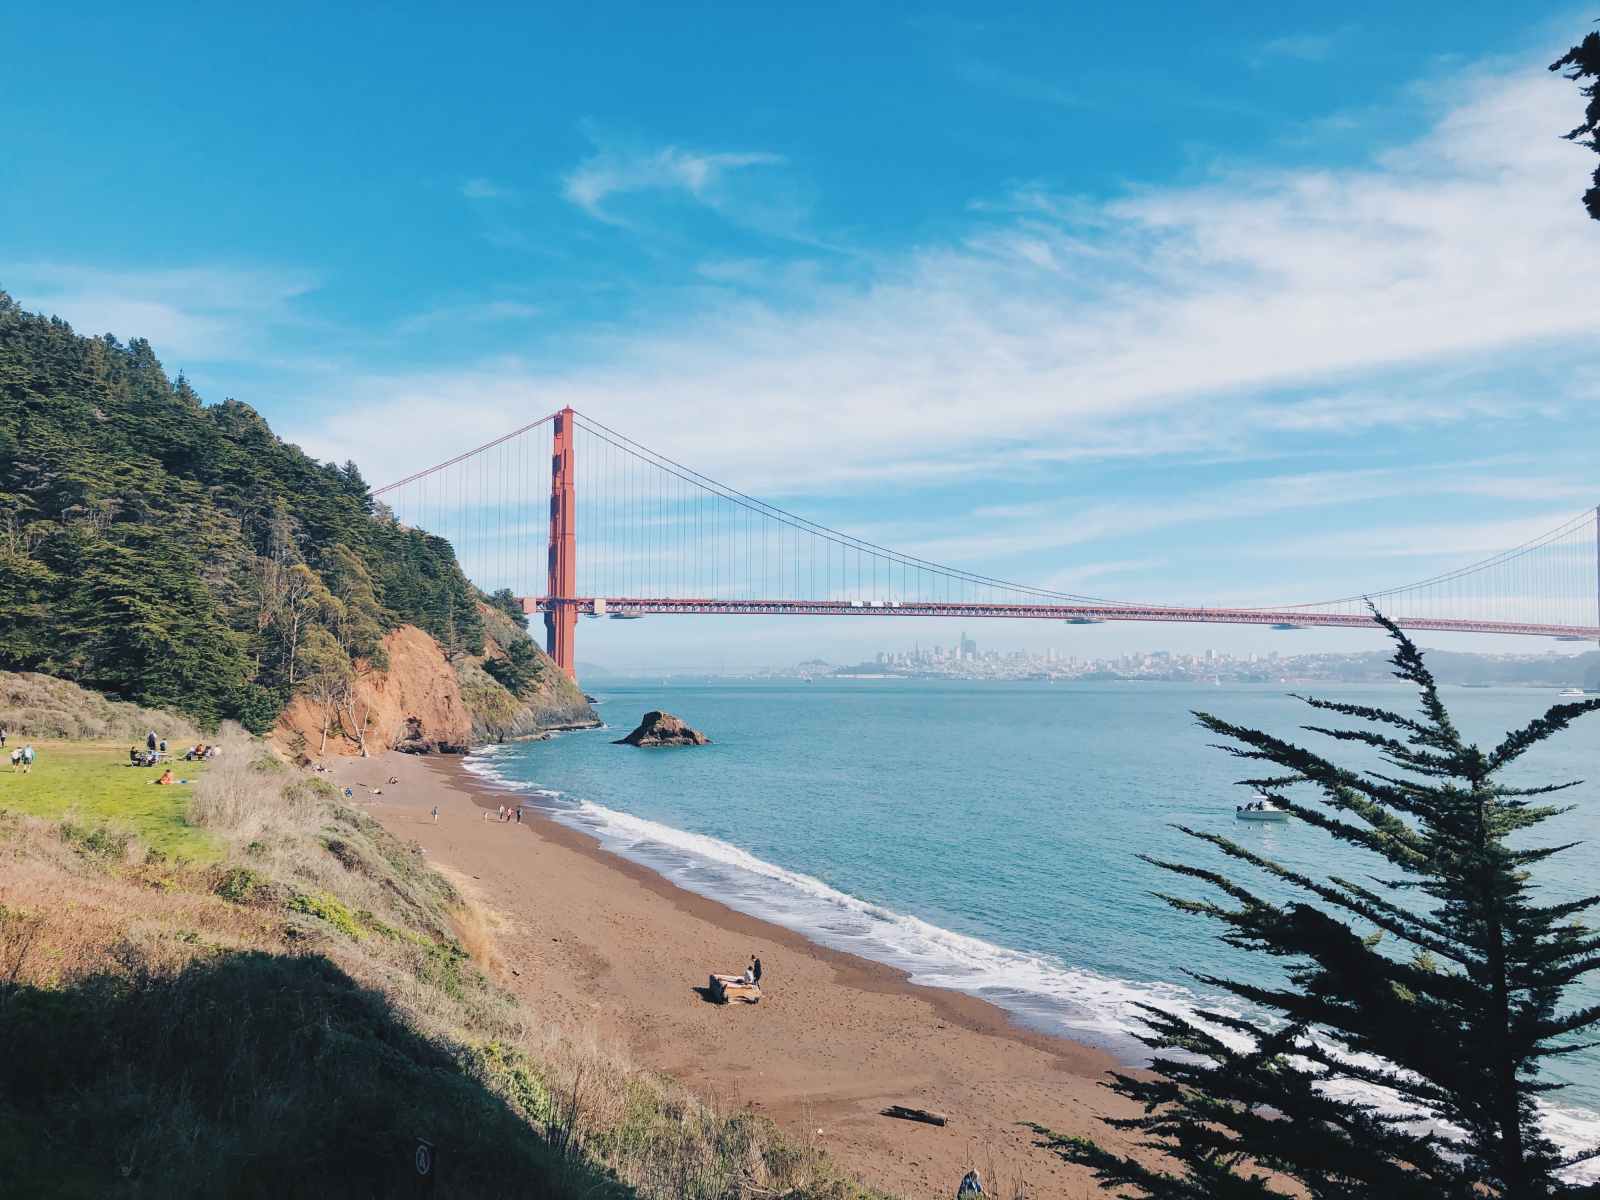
[181, 555]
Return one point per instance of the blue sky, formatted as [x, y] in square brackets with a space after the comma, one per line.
[1236, 303]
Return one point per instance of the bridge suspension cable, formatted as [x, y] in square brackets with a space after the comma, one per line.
[648, 534]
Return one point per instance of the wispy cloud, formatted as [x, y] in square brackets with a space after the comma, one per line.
[702, 176]
[482, 312]
[1019, 86]
[1060, 524]
[1303, 47]
[479, 188]
[1252, 308]
[197, 313]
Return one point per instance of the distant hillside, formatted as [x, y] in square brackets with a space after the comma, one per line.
[180, 555]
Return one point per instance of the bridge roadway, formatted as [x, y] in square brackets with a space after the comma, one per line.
[1079, 614]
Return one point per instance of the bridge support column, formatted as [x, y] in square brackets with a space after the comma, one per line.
[561, 614]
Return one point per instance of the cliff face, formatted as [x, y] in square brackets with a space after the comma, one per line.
[419, 683]
[451, 705]
[551, 701]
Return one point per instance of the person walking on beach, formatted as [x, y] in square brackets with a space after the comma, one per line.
[755, 969]
[435, 814]
[519, 814]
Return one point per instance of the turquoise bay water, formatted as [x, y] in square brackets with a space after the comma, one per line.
[985, 836]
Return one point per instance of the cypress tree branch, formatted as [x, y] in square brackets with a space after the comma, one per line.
[1438, 985]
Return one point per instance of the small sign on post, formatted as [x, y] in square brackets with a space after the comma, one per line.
[426, 1160]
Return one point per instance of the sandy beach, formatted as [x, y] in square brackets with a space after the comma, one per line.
[603, 945]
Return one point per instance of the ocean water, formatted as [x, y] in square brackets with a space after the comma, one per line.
[986, 836]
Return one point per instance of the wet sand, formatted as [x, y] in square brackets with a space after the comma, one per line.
[600, 944]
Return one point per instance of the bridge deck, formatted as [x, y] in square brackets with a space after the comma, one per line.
[1071, 613]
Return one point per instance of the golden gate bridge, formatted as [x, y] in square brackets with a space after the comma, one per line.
[658, 537]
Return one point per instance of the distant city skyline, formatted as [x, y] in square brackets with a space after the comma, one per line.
[753, 643]
[963, 658]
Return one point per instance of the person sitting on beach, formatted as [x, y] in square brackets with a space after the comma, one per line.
[166, 776]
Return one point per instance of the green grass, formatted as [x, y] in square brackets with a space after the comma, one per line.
[93, 783]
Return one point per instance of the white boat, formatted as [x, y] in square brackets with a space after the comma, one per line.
[1572, 694]
[1261, 809]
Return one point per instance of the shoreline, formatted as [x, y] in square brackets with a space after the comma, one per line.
[973, 1012]
[838, 1038]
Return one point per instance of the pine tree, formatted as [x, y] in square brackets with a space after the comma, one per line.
[1442, 982]
[1580, 63]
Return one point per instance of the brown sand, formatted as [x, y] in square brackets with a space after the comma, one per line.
[600, 944]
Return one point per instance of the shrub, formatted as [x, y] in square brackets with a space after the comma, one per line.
[327, 907]
[99, 840]
[238, 884]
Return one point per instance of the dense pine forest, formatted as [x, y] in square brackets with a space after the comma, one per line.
[178, 553]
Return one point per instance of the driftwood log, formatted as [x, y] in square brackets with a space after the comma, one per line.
[905, 1113]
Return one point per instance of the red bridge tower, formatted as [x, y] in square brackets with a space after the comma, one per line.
[561, 610]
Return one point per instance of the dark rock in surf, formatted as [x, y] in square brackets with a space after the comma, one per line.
[663, 729]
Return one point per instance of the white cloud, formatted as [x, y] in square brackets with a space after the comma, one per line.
[612, 172]
[1058, 525]
[1211, 318]
[204, 313]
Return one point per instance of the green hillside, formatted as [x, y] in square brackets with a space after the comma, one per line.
[179, 554]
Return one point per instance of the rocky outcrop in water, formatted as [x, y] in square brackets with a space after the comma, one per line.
[663, 729]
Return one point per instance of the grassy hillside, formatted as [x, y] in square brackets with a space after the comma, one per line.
[179, 554]
[37, 707]
[90, 786]
[287, 1016]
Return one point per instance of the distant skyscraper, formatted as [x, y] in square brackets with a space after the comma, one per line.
[969, 648]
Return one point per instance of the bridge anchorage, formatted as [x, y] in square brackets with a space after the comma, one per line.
[659, 538]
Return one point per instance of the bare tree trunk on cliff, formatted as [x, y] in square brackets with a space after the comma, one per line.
[358, 723]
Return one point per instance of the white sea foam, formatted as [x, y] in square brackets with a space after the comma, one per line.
[1038, 989]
